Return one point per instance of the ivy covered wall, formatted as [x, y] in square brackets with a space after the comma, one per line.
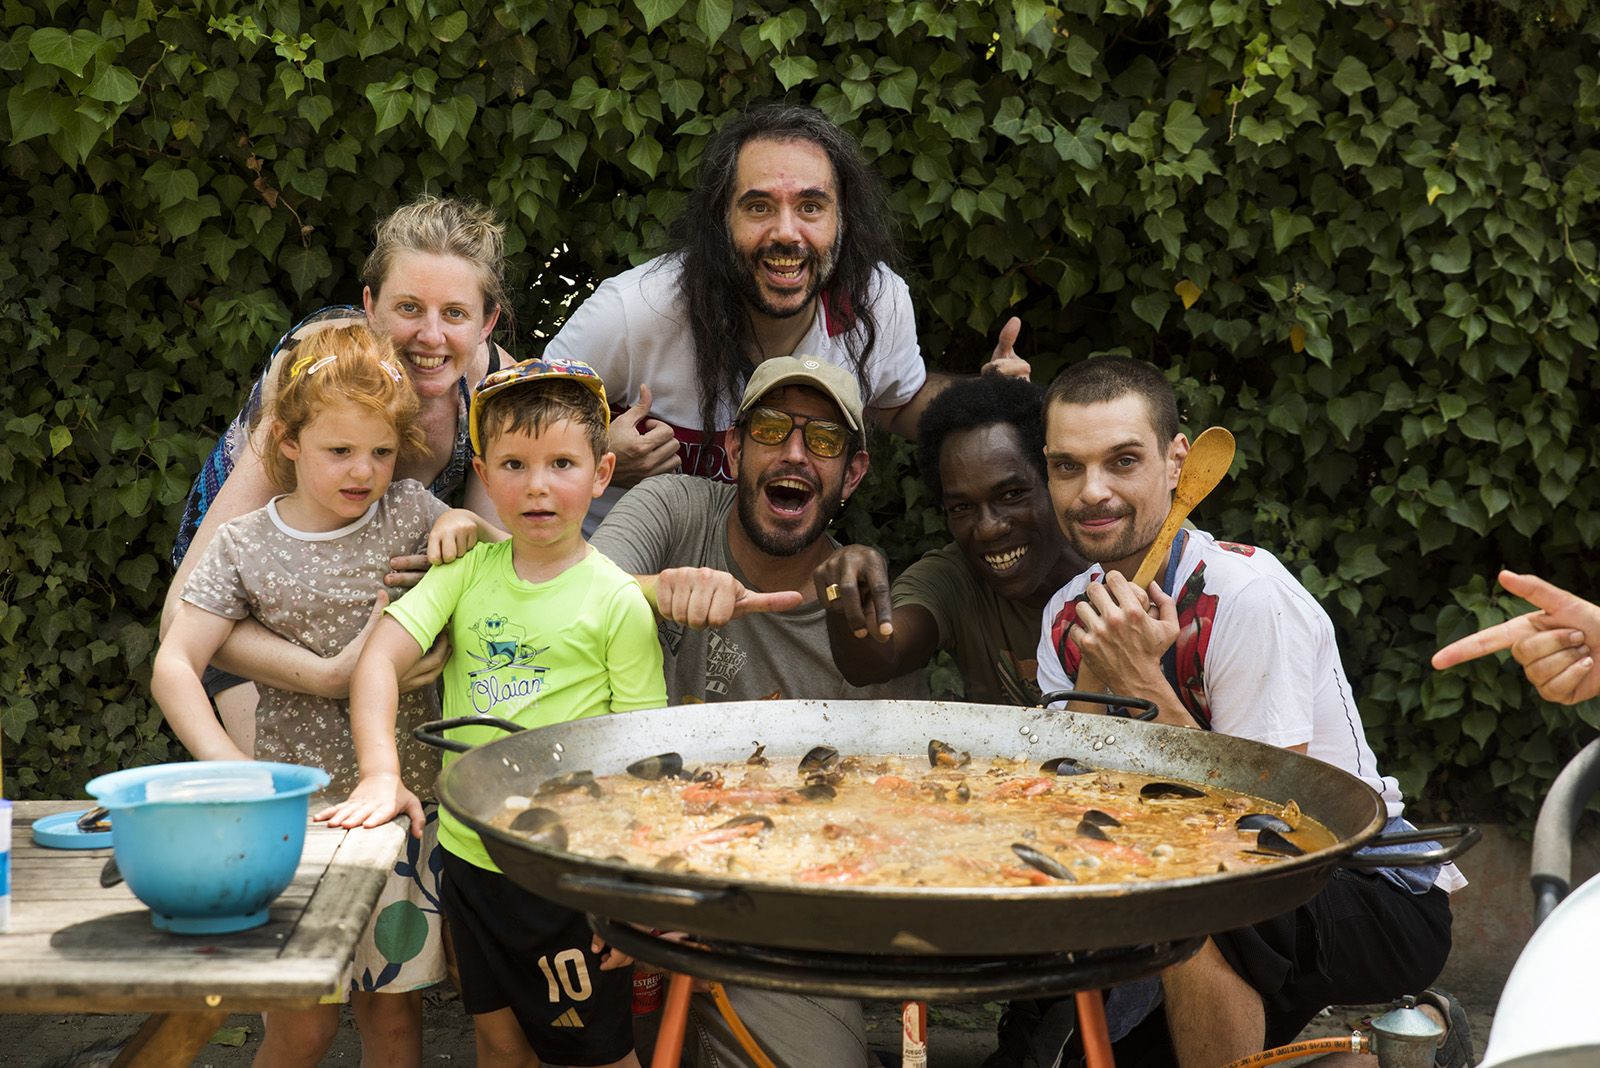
[1361, 235]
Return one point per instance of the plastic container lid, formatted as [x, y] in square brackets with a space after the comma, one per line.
[60, 831]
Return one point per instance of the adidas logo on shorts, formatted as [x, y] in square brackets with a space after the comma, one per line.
[567, 1019]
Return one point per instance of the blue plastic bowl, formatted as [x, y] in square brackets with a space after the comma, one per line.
[208, 845]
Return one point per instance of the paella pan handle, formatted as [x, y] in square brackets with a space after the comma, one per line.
[628, 892]
[430, 733]
[1464, 834]
[1120, 703]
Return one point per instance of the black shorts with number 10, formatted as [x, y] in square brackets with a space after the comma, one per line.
[516, 950]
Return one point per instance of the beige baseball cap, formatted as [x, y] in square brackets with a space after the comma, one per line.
[828, 378]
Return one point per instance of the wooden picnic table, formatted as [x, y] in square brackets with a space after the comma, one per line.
[76, 947]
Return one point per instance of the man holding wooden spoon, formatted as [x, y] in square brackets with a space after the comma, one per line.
[1225, 639]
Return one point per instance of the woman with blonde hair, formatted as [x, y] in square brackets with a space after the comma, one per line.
[435, 288]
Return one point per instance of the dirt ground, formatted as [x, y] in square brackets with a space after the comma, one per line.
[960, 1036]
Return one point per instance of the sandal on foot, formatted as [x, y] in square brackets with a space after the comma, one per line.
[1456, 1049]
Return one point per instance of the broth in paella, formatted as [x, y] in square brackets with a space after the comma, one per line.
[951, 821]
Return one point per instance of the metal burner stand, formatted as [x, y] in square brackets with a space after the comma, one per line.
[896, 978]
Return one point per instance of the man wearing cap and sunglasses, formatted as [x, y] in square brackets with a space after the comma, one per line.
[729, 568]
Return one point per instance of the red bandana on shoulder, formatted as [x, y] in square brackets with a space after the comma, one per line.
[1185, 664]
[838, 316]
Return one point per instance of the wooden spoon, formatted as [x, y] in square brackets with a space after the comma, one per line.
[1209, 459]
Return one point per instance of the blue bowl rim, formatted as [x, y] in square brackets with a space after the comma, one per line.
[103, 786]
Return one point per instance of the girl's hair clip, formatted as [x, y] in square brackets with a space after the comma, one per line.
[300, 365]
[391, 369]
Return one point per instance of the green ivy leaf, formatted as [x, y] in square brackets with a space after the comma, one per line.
[1478, 424]
[570, 147]
[1363, 565]
[115, 85]
[1480, 724]
[1453, 257]
[780, 30]
[682, 96]
[185, 218]
[1028, 14]
[792, 70]
[896, 89]
[1352, 76]
[713, 17]
[60, 439]
[133, 262]
[1080, 55]
[656, 12]
[1152, 308]
[134, 497]
[316, 110]
[306, 266]
[858, 93]
[1286, 226]
[446, 118]
[31, 114]
[645, 153]
[390, 102]
[70, 52]
[449, 27]
[1183, 127]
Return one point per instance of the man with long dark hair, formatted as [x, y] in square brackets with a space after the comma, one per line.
[784, 248]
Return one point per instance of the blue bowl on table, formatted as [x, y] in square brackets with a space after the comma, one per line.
[208, 845]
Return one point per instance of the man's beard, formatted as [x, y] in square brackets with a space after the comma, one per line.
[787, 541]
[1132, 540]
[747, 270]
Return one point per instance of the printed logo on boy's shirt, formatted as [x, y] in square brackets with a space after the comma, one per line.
[724, 660]
[491, 691]
[502, 647]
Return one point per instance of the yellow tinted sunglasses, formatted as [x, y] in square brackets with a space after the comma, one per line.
[823, 437]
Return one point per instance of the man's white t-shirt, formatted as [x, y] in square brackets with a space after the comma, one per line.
[634, 330]
[1254, 649]
[1255, 652]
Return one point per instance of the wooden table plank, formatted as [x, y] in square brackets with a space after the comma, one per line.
[77, 947]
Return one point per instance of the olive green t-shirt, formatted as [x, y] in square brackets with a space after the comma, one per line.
[995, 641]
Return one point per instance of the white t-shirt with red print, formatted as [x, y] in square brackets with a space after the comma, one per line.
[634, 330]
[1256, 656]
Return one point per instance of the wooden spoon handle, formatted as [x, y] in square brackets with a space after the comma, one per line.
[1158, 548]
[1208, 461]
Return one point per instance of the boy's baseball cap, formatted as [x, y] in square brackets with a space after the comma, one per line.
[818, 374]
[535, 370]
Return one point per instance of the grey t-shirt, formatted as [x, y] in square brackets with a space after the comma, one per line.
[995, 640]
[680, 521]
[317, 590]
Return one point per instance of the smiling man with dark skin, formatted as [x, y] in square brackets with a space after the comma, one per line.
[981, 453]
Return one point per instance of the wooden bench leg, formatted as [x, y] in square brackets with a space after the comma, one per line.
[170, 1039]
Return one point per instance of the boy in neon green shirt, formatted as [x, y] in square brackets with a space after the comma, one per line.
[543, 629]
